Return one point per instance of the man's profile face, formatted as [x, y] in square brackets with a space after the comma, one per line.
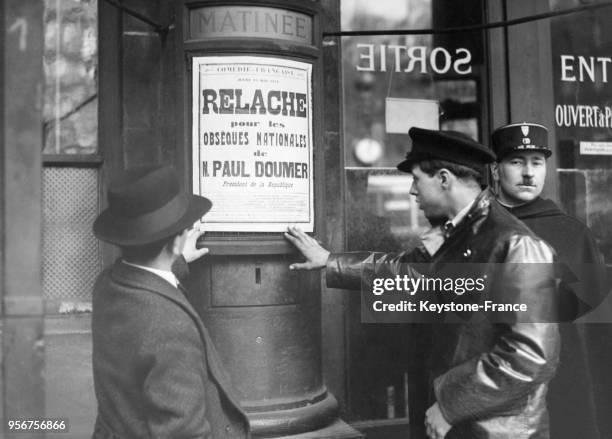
[429, 194]
[520, 176]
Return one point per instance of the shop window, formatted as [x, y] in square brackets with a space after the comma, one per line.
[582, 78]
[71, 157]
[391, 83]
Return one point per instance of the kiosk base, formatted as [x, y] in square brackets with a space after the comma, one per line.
[337, 430]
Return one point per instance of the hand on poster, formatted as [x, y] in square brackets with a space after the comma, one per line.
[190, 250]
[436, 424]
[316, 256]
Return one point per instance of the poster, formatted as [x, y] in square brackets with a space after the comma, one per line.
[252, 142]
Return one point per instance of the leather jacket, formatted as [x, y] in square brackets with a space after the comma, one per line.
[489, 379]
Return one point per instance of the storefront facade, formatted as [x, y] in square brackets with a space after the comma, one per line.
[271, 104]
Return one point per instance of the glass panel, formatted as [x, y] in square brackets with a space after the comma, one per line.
[582, 71]
[71, 77]
[381, 215]
[392, 83]
[72, 256]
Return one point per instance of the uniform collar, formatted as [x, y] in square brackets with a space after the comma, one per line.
[461, 214]
[433, 239]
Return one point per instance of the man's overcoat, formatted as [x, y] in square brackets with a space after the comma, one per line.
[156, 372]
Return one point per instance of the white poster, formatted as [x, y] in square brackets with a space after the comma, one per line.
[252, 142]
[596, 148]
[401, 114]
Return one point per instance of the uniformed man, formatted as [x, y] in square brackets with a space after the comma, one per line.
[580, 396]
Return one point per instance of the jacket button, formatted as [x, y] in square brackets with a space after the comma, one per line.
[228, 429]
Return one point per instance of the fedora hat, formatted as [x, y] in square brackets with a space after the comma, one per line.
[146, 205]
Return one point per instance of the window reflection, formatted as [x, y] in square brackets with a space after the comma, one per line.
[447, 70]
[581, 50]
[390, 84]
[71, 80]
[381, 213]
[72, 255]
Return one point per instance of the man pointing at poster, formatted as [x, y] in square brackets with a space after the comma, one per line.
[485, 379]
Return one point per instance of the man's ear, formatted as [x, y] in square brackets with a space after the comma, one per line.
[176, 245]
[495, 171]
[446, 177]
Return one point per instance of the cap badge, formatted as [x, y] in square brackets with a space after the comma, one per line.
[525, 130]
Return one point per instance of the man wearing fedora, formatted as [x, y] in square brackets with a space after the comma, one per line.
[156, 372]
[485, 379]
[580, 395]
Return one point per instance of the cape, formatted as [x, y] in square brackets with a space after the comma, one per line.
[572, 240]
[580, 395]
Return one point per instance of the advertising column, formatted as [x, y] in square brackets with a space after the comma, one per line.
[252, 117]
